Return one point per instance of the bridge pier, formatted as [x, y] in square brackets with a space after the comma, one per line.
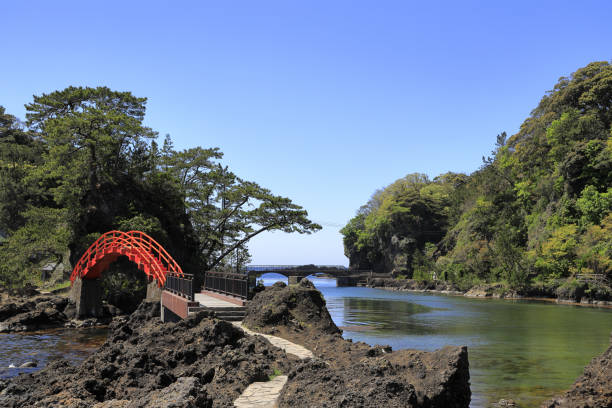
[343, 281]
[294, 280]
[87, 294]
[153, 291]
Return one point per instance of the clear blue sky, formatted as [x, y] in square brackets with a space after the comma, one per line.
[321, 101]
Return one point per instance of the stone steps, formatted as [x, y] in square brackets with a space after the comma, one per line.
[265, 394]
[232, 314]
[262, 394]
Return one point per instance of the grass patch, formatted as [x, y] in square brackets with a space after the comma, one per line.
[60, 285]
[275, 374]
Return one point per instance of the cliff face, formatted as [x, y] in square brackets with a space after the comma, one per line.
[592, 389]
[347, 374]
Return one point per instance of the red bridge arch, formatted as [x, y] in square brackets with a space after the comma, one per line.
[140, 248]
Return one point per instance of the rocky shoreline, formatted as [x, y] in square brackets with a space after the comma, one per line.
[206, 362]
[496, 291]
[198, 362]
[40, 311]
[351, 374]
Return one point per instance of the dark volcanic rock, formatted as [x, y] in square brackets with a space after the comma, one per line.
[46, 311]
[347, 374]
[404, 378]
[592, 389]
[33, 313]
[410, 284]
[299, 307]
[197, 362]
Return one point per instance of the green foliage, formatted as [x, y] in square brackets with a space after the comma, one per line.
[94, 137]
[593, 206]
[392, 230]
[537, 210]
[275, 374]
[558, 252]
[19, 153]
[595, 248]
[86, 164]
[45, 236]
[142, 222]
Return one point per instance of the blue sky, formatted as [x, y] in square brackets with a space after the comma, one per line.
[320, 101]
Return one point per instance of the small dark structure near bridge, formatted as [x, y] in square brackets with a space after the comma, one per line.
[175, 289]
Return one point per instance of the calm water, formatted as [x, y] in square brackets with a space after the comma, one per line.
[524, 350]
[72, 344]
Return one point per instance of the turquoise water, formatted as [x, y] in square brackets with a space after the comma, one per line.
[524, 350]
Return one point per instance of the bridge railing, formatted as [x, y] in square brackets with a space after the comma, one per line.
[136, 242]
[179, 284]
[233, 284]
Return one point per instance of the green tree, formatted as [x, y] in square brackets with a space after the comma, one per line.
[19, 153]
[95, 140]
[227, 211]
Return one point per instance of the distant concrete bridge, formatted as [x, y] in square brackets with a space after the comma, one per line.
[295, 273]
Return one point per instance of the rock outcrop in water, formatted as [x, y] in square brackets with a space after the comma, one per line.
[347, 374]
[30, 311]
[298, 307]
[37, 312]
[592, 389]
[197, 362]
[411, 284]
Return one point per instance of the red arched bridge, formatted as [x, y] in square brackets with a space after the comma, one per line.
[164, 272]
[148, 255]
[138, 247]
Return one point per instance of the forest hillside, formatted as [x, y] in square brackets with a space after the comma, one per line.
[537, 212]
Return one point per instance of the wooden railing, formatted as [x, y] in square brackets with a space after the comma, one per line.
[233, 284]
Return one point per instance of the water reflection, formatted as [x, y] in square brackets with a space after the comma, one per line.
[381, 317]
[523, 350]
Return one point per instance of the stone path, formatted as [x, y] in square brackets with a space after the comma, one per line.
[289, 347]
[261, 394]
[265, 394]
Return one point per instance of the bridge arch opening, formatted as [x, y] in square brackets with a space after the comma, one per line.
[270, 278]
[319, 279]
[123, 285]
[322, 280]
[127, 255]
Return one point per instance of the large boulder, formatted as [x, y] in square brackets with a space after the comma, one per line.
[37, 312]
[405, 378]
[348, 374]
[298, 307]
